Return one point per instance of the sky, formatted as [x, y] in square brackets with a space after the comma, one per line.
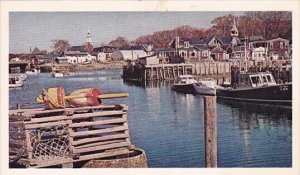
[38, 29]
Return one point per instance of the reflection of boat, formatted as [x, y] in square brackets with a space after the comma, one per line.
[33, 71]
[15, 81]
[259, 88]
[187, 84]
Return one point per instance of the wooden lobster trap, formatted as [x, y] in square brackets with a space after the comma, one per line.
[43, 138]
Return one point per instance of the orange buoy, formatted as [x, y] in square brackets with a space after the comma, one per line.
[84, 97]
[55, 97]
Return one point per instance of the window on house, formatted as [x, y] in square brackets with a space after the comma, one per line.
[281, 45]
[286, 45]
[193, 54]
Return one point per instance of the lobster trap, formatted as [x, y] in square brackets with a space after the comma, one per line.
[43, 138]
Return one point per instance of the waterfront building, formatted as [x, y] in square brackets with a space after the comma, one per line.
[104, 53]
[76, 57]
[132, 53]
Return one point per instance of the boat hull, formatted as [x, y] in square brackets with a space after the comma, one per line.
[186, 88]
[276, 94]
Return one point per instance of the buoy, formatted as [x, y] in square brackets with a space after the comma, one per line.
[55, 97]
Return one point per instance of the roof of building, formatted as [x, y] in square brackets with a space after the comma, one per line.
[217, 50]
[132, 48]
[75, 53]
[256, 38]
[201, 46]
[107, 49]
[77, 48]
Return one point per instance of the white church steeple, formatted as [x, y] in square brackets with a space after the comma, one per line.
[234, 31]
[88, 38]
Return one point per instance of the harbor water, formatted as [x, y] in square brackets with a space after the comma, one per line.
[169, 125]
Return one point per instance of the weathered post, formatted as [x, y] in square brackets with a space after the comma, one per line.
[210, 131]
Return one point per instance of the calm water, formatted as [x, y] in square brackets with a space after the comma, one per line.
[169, 125]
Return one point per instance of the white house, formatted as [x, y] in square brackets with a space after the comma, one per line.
[149, 60]
[259, 54]
[104, 53]
[76, 57]
[134, 52]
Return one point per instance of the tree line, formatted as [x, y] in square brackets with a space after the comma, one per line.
[269, 24]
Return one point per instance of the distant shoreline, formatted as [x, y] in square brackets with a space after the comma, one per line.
[87, 67]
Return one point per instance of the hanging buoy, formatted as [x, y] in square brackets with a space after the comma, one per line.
[55, 97]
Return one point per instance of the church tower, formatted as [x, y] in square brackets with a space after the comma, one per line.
[89, 39]
[234, 34]
[234, 31]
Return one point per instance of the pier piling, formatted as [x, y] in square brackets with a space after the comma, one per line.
[210, 131]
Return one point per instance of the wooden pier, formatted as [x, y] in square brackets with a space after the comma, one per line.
[61, 137]
[220, 71]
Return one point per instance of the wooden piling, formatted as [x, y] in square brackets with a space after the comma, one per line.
[210, 131]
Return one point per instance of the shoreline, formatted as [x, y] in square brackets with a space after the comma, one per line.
[86, 67]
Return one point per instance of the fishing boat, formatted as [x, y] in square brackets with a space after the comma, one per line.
[258, 88]
[15, 81]
[187, 84]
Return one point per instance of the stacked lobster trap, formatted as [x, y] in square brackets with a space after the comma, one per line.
[44, 137]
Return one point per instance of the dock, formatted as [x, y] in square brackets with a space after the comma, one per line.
[220, 71]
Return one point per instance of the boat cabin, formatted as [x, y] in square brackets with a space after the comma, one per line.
[256, 80]
[186, 79]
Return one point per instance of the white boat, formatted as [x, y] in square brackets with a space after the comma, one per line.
[58, 74]
[15, 81]
[33, 71]
[205, 87]
[187, 84]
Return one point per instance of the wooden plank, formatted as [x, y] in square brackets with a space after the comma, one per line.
[98, 131]
[100, 138]
[48, 124]
[48, 119]
[47, 163]
[98, 144]
[103, 155]
[97, 114]
[98, 122]
[102, 147]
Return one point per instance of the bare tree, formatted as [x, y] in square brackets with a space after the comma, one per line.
[271, 24]
[60, 46]
[119, 42]
[223, 24]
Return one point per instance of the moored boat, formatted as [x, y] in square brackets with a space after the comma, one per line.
[205, 87]
[58, 74]
[15, 81]
[33, 71]
[187, 84]
[258, 88]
